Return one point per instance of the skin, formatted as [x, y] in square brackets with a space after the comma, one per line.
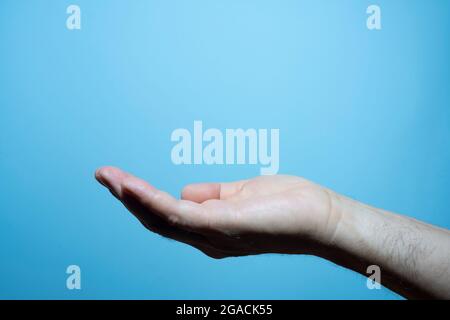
[288, 214]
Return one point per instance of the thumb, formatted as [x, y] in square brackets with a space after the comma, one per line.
[200, 192]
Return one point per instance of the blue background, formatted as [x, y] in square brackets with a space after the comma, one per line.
[365, 113]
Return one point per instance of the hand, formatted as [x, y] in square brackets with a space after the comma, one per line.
[284, 214]
[267, 214]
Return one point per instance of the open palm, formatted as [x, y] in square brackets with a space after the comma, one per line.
[261, 215]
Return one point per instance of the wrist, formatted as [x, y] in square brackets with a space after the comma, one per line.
[344, 240]
[352, 220]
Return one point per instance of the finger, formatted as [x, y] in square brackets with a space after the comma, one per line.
[200, 192]
[156, 224]
[159, 226]
[113, 178]
[181, 213]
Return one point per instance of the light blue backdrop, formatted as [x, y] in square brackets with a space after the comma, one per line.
[363, 112]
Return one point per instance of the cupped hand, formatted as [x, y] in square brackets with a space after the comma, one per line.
[266, 214]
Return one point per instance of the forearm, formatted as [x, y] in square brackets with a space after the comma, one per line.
[414, 257]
